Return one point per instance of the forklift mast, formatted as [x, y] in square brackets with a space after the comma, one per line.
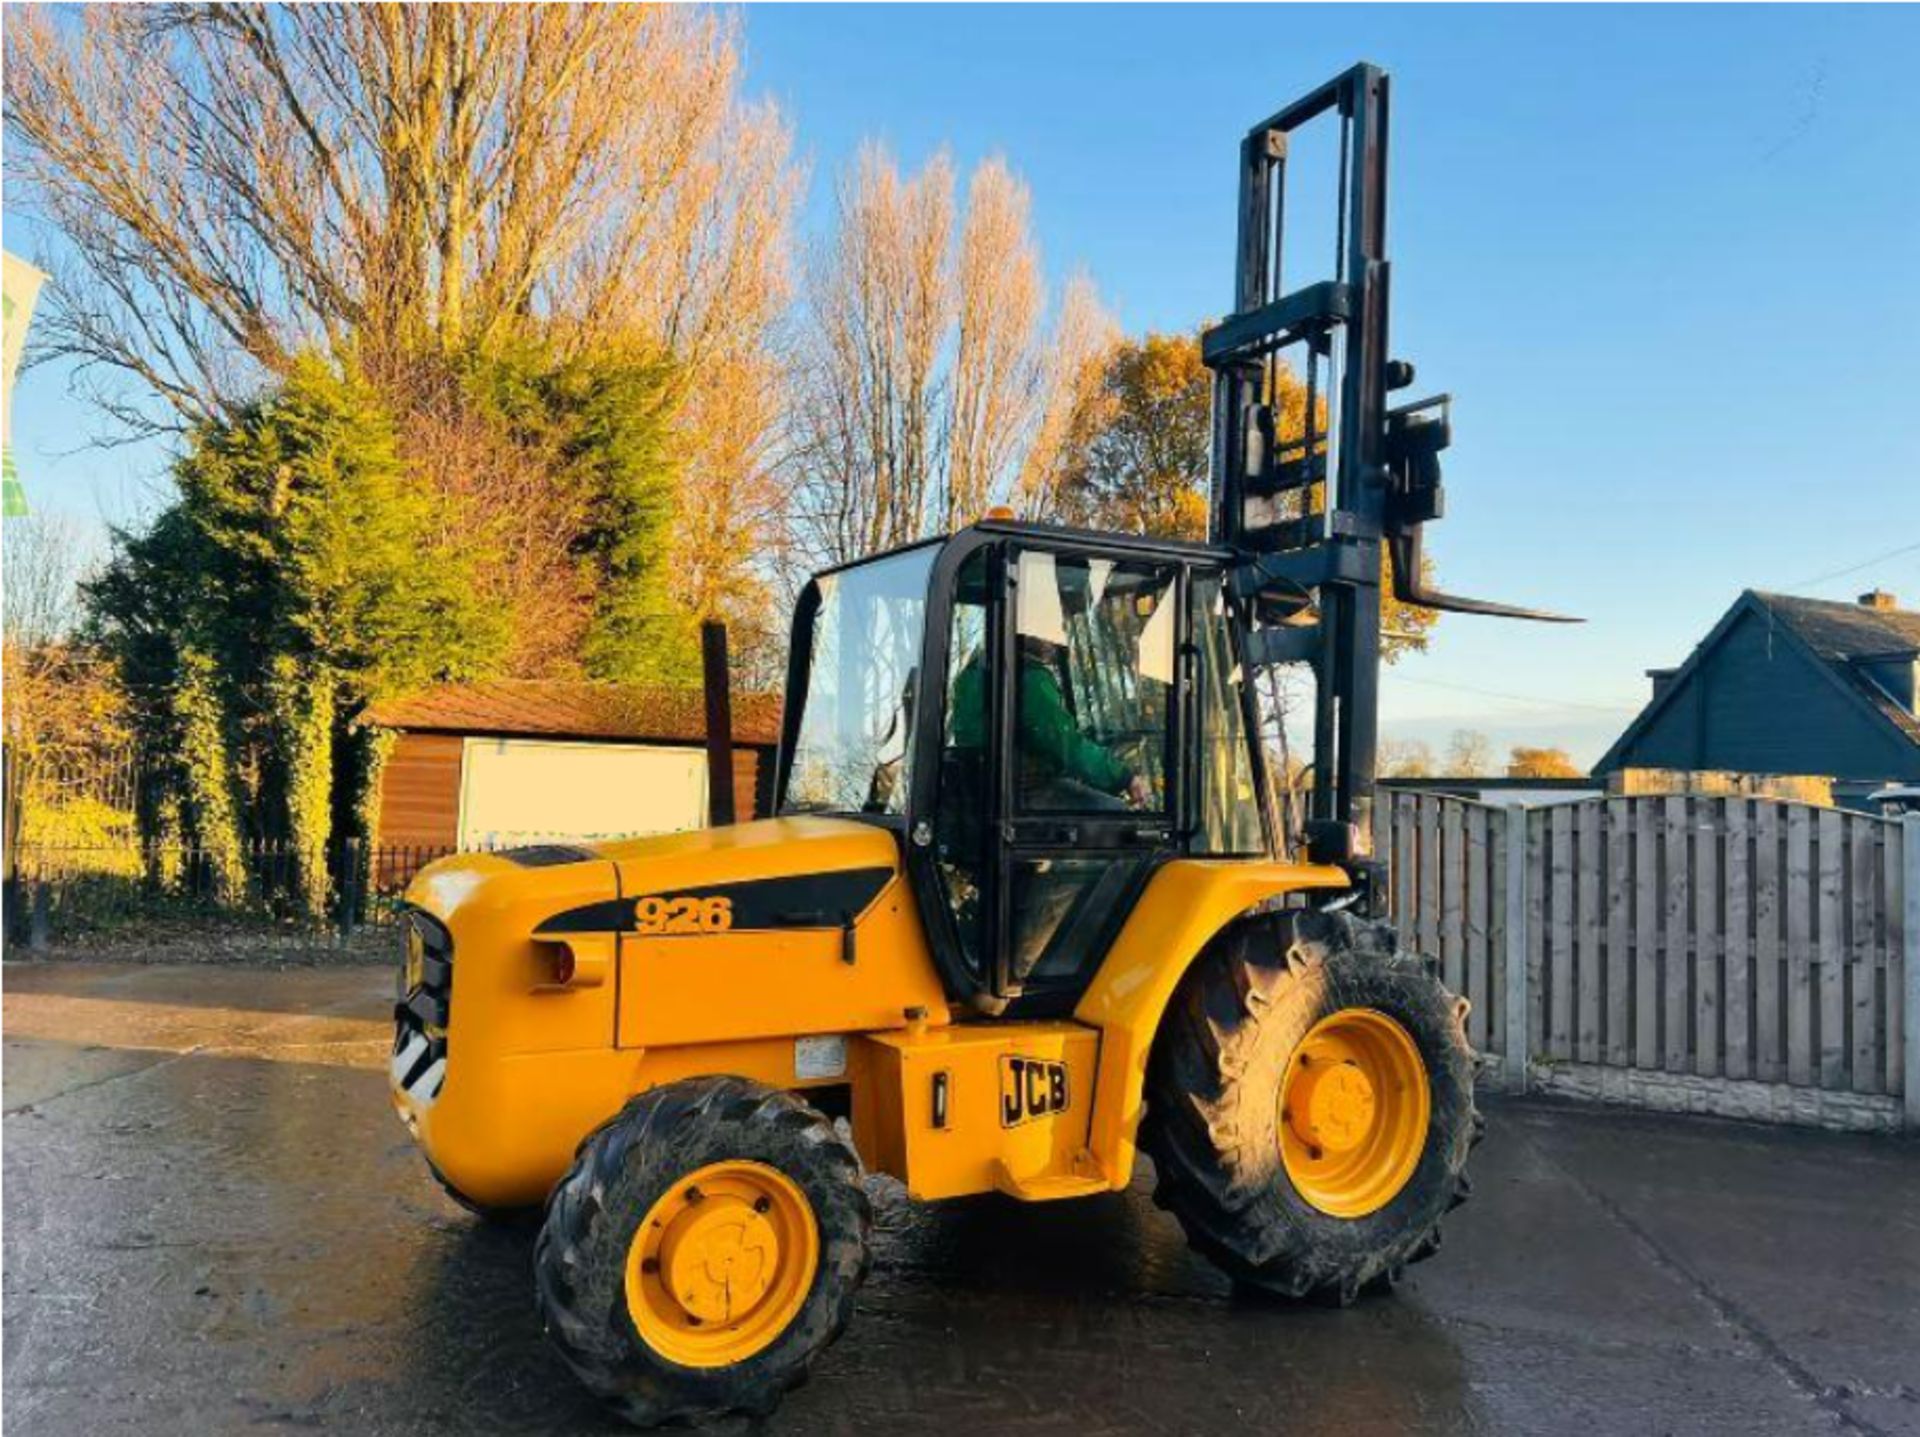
[1310, 513]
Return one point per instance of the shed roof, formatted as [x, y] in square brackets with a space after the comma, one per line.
[548, 708]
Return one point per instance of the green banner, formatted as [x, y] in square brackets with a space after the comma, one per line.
[21, 288]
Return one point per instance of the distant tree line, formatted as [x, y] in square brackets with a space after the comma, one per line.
[1469, 754]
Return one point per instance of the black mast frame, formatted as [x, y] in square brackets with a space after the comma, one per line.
[1329, 560]
[1313, 574]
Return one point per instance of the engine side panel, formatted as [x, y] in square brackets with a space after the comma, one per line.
[781, 980]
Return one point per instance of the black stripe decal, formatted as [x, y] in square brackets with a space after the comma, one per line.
[807, 900]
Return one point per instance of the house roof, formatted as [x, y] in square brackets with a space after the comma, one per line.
[1838, 631]
[547, 708]
[1836, 635]
[1844, 634]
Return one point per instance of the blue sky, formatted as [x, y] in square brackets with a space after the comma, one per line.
[1662, 256]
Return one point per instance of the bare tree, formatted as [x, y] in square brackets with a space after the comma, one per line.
[925, 374]
[410, 182]
[53, 693]
[1469, 754]
[997, 367]
[241, 181]
[1073, 403]
[41, 569]
[733, 539]
[1405, 758]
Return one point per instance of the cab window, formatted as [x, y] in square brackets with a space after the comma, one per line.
[851, 744]
[1229, 817]
[959, 825]
[1095, 641]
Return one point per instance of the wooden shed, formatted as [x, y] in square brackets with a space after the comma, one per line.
[521, 761]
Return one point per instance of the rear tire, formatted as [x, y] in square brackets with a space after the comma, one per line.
[1215, 1106]
[591, 1247]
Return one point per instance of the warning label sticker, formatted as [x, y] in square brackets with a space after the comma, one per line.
[820, 1057]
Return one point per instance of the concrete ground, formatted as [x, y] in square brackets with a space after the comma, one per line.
[213, 1223]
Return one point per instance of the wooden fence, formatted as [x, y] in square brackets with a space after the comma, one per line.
[1725, 940]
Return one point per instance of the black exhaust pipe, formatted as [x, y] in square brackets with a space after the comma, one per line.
[719, 701]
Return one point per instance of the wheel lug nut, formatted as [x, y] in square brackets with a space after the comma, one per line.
[762, 1204]
[650, 1264]
[695, 1195]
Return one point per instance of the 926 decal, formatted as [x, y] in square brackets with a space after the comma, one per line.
[666, 913]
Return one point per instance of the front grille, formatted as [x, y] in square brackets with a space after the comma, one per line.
[420, 1018]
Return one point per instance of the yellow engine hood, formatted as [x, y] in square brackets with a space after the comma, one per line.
[768, 848]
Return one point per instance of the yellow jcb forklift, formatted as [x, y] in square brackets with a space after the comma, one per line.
[1029, 904]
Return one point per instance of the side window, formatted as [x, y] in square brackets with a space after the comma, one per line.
[1229, 804]
[1095, 655]
[850, 747]
[960, 815]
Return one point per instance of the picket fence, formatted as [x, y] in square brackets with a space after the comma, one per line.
[1722, 954]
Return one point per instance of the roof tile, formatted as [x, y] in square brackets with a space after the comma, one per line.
[565, 709]
[1842, 633]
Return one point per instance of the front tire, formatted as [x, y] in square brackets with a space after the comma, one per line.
[704, 1248]
[1310, 1106]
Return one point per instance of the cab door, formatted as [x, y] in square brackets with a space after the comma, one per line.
[1087, 714]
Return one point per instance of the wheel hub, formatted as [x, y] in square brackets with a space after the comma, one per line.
[719, 1258]
[1336, 1110]
[1354, 1110]
[721, 1263]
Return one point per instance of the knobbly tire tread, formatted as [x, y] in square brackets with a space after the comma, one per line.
[1212, 1104]
[619, 1171]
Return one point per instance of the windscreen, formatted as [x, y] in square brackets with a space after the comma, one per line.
[851, 746]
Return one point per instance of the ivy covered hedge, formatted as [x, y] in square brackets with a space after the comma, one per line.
[306, 571]
[295, 580]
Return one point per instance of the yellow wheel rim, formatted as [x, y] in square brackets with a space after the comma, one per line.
[721, 1264]
[1354, 1108]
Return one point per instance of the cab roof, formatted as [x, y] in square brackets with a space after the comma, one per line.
[1056, 536]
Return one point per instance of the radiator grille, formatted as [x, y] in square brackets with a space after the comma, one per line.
[419, 1065]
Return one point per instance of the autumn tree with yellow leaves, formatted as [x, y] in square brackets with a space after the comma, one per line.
[1135, 455]
[1525, 762]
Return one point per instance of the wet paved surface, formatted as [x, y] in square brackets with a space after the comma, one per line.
[214, 1224]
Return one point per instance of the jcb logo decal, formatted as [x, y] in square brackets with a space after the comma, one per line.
[1031, 1088]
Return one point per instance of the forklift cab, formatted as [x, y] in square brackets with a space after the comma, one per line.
[1044, 716]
